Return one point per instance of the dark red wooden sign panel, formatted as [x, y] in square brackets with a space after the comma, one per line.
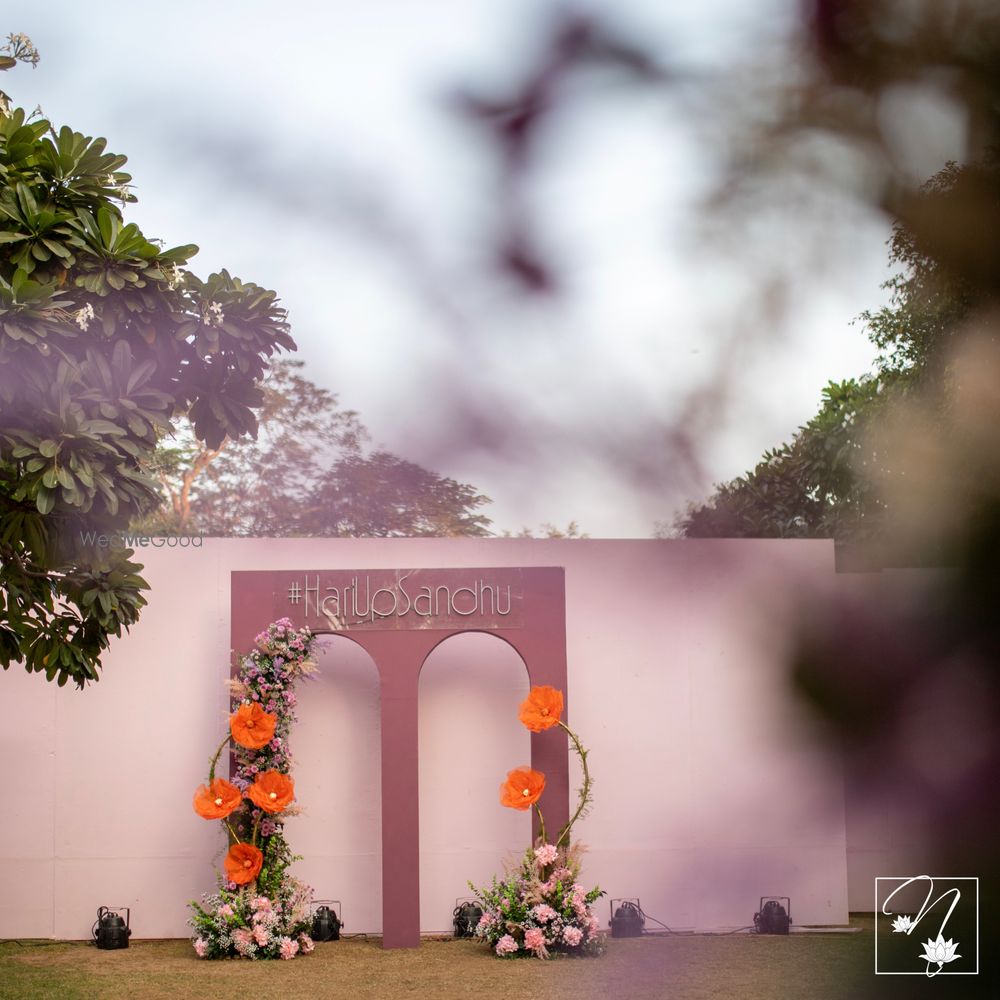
[398, 617]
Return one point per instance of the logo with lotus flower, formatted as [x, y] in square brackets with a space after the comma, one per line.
[948, 908]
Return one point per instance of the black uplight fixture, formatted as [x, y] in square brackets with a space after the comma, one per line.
[773, 917]
[627, 920]
[466, 917]
[110, 931]
[326, 920]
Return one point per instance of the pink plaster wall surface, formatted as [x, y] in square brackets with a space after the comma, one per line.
[709, 791]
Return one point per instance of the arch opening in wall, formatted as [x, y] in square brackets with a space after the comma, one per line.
[471, 685]
[337, 754]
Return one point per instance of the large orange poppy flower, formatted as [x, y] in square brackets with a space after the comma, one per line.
[217, 800]
[522, 789]
[252, 727]
[542, 708]
[272, 791]
[243, 863]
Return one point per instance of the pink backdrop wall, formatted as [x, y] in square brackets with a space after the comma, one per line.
[709, 794]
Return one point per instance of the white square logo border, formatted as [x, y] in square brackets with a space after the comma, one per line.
[902, 879]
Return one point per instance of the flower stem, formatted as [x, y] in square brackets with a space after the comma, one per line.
[232, 832]
[581, 752]
[215, 759]
[541, 823]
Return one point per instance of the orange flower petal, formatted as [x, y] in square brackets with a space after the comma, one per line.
[243, 863]
[217, 800]
[272, 791]
[251, 726]
[542, 708]
[522, 789]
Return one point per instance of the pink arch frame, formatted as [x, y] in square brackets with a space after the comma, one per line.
[538, 634]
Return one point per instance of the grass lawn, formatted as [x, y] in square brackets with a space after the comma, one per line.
[737, 967]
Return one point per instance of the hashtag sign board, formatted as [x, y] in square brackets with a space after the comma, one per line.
[370, 600]
[398, 616]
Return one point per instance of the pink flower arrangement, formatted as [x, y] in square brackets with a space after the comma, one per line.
[268, 917]
[538, 906]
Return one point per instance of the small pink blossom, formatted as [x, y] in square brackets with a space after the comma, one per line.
[261, 935]
[201, 947]
[243, 939]
[306, 944]
[543, 913]
[545, 855]
[289, 948]
[534, 940]
[226, 911]
[572, 936]
[506, 945]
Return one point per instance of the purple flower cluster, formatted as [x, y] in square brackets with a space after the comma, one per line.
[268, 674]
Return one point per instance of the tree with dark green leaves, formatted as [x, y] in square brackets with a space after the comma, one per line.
[105, 337]
[828, 481]
[307, 472]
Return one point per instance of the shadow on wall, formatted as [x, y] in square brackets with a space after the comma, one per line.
[470, 689]
[337, 753]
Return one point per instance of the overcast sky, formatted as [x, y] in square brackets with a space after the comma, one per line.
[316, 151]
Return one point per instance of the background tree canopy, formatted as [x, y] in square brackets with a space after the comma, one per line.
[307, 473]
[830, 480]
[105, 336]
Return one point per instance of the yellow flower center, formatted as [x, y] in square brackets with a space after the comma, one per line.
[249, 723]
[218, 802]
[248, 863]
[545, 711]
[273, 796]
[525, 792]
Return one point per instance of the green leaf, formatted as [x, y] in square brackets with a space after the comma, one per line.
[45, 500]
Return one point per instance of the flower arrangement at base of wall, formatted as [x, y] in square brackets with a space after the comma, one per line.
[539, 908]
[259, 910]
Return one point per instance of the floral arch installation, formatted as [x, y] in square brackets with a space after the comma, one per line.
[399, 616]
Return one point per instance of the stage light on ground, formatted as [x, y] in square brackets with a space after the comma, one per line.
[326, 921]
[110, 931]
[466, 917]
[773, 917]
[627, 920]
